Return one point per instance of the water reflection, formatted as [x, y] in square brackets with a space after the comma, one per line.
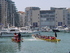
[7, 46]
[19, 46]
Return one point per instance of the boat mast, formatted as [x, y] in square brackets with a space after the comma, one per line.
[13, 20]
[8, 26]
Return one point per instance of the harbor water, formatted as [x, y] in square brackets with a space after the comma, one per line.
[32, 45]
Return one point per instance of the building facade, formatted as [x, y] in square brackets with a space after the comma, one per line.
[3, 13]
[33, 16]
[51, 18]
[60, 16]
[8, 13]
[47, 18]
[21, 18]
[68, 17]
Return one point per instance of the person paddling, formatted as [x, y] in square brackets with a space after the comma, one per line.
[19, 36]
[16, 36]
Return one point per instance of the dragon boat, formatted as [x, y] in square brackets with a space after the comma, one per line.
[46, 38]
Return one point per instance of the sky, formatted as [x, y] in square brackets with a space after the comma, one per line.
[42, 4]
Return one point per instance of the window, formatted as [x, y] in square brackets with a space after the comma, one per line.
[52, 16]
[59, 23]
[35, 24]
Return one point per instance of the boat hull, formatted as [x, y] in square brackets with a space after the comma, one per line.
[16, 40]
[54, 30]
[54, 40]
[49, 40]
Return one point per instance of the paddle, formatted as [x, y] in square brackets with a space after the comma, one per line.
[55, 34]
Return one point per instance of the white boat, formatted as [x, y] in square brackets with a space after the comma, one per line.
[10, 30]
[22, 30]
[4, 30]
[27, 30]
[60, 29]
[46, 29]
[13, 30]
[67, 29]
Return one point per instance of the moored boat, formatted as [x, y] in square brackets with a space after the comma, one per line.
[61, 29]
[46, 38]
[10, 30]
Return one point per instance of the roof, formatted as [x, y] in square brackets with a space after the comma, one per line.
[21, 12]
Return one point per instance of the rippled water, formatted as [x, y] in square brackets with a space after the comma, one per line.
[31, 45]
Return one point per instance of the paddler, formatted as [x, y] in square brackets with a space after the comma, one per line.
[19, 36]
[16, 36]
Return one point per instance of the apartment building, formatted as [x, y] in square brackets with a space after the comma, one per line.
[33, 16]
[53, 17]
[8, 13]
[47, 18]
[3, 13]
[68, 17]
[60, 16]
[21, 18]
[0, 13]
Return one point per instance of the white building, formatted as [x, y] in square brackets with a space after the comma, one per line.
[60, 16]
[33, 16]
[47, 18]
[22, 18]
[51, 18]
[68, 17]
[54, 17]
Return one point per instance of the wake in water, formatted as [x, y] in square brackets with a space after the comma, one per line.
[33, 39]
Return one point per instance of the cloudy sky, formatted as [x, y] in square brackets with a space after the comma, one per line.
[42, 4]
